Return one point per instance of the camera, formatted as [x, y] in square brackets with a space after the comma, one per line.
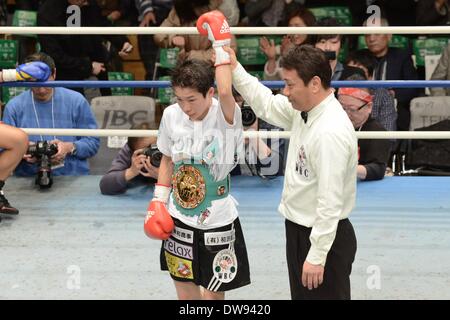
[154, 154]
[248, 116]
[43, 151]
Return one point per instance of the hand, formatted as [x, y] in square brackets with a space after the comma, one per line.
[312, 275]
[97, 67]
[63, 149]
[150, 171]
[126, 49]
[158, 223]
[31, 71]
[179, 42]
[268, 48]
[148, 18]
[215, 26]
[233, 59]
[114, 16]
[137, 162]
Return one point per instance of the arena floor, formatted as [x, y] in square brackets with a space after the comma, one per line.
[71, 242]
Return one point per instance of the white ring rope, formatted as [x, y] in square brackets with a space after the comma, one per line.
[247, 134]
[234, 30]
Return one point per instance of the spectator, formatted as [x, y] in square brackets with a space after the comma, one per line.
[185, 14]
[373, 153]
[78, 57]
[297, 17]
[331, 44]
[131, 167]
[432, 13]
[151, 14]
[263, 157]
[393, 64]
[43, 107]
[265, 13]
[383, 107]
[442, 72]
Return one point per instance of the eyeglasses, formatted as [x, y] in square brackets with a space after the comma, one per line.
[347, 109]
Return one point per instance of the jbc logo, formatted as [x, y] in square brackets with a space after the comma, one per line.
[118, 118]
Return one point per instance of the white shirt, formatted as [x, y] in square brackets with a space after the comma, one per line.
[181, 139]
[320, 177]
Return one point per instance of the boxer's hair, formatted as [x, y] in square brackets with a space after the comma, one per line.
[43, 57]
[194, 74]
[308, 62]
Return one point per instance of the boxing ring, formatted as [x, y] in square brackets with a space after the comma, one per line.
[71, 242]
[402, 225]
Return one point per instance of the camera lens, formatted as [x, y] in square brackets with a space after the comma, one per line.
[248, 116]
[155, 160]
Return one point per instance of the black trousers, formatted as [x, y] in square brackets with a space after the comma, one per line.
[338, 266]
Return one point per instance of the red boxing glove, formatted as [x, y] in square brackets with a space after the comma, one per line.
[158, 223]
[215, 26]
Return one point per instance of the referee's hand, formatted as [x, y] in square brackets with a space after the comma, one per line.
[312, 275]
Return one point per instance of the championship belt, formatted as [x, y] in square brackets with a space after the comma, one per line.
[194, 188]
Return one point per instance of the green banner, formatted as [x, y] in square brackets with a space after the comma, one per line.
[248, 52]
[341, 14]
[425, 47]
[165, 95]
[24, 18]
[168, 57]
[10, 92]
[121, 76]
[8, 54]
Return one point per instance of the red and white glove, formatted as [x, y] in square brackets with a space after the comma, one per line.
[215, 26]
[158, 223]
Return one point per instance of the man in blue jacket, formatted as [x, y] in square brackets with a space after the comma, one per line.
[43, 107]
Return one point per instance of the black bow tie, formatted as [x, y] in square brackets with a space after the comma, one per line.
[304, 116]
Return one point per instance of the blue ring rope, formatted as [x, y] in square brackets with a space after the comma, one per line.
[270, 84]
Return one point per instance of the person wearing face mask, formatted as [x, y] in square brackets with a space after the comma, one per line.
[43, 107]
[373, 154]
[331, 44]
[297, 16]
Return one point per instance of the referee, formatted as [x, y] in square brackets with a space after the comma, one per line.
[320, 180]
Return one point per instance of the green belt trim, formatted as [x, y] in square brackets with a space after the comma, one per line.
[211, 189]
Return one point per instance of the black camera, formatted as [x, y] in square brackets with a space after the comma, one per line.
[43, 151]
[154, 154]
[248, 116]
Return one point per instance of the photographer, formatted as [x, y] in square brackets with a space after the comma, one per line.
[133, 164]
[43, 107]
[263, 157]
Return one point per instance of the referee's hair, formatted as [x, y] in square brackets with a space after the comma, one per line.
[309, 62]
[195, 74]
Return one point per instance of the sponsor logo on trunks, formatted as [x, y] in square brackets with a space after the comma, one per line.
[183, 234]
[179, 267]
[225, 266]
[219, 238]
[178, 249]
[301, 165]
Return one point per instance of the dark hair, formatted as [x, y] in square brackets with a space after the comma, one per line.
[194, 74]
[299, 11]
[328, 22]
[185, 9]
[132, 141]
[43, 57]
[362, 57]
[308, 62]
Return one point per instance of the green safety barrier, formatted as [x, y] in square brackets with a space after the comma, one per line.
[10, 92]
[397, 41]
[165, 95]
[8, 53]
[121, 76]
[425, 47]
[341, 14]
[25, 18]
[168, 57]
